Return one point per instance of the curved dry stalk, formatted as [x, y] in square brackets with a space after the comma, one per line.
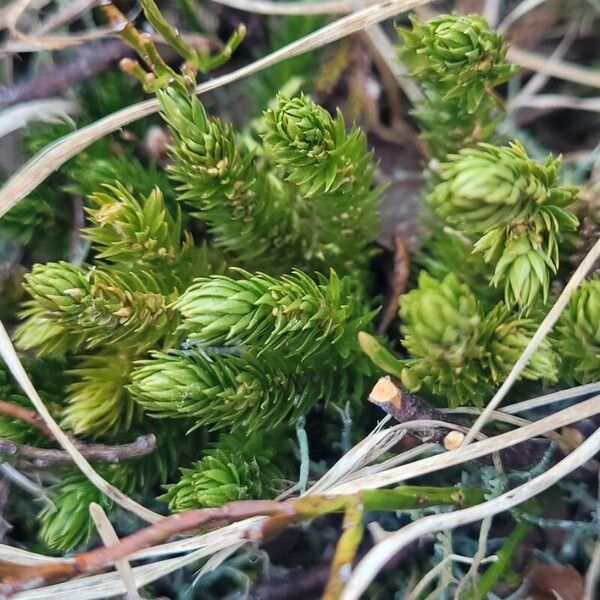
[593, 574]
[425, 582]
[32, 43]
[109, 537]
[110, 584]
[470, 577]
[560, 396]
[9, 355]
[376, 559]
[539, 79]
[46, 110]
[543, 330]
[519, 11]
[553, 101]
[498, 415]
[57, 154]
[377, 40]
[266, 7]
[64, 15]
[475, 450]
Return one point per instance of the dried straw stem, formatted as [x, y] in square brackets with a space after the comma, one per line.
[376, 559]
[57, 154]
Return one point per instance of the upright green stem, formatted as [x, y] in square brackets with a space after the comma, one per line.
[498, 568]
[380, 355]
[406, 497]
[345, 550]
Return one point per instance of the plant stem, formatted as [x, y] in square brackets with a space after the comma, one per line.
[10, 409]
[41, 458]
[498, 568]
[345, 550]
[380, 355]
[279, 513]
[399, 281]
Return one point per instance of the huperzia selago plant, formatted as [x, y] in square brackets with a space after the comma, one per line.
[217, 322]
[458, 61]
[512, 210]
[234, 312]
[502, 221]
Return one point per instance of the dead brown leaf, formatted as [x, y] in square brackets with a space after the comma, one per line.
[549, 582]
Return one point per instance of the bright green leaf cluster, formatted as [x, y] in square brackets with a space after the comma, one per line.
[579, 335]
[76, 307]
[128, 231]
[320, 155]
[292, 314]
[98, 400]
[458, 352]
[458, 60]
[269, 348]
[236, 468]
[305, 196]
[156, 341]
[245, 392]
[513, 210]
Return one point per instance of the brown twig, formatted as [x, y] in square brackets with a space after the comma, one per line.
[11, 409]
[42, 458]
[22, 578]
[400, 275]
[90, 62]
[404, 407]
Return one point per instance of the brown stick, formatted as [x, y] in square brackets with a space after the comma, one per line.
[20, 578]
[400, 275]
[404, 407]
[42, 458]
[90, 62]
[11, 409]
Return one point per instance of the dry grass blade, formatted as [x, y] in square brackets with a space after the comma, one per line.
[9, 355]
[26, 43]
[539, 336]
[418, 591]
[553, 67]
[520, 10]
[65, 14]
[368, 568]
[108, 536]
[539, 79]
[50, 110]
[471, 452]
[593, 575]
[58, 153]
[110, 584]
[265, 7]
[503, 417]
[561, 396]
[365, 452]
[555, 101]
[18, 556]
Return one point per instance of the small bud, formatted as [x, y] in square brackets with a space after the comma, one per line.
[453, 440]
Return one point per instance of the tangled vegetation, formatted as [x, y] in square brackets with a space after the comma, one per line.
[225, 294]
